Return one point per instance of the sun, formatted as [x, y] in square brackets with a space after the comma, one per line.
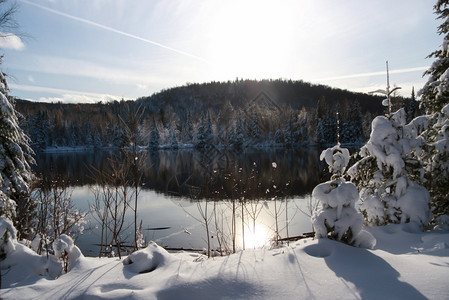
[256, 238]
[251, 39]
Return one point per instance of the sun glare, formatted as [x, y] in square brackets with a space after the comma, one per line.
[256, 238]
[251, 39]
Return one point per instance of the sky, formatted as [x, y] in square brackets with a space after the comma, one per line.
[102, 50]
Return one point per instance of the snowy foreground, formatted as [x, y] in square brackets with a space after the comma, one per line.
[404, 264]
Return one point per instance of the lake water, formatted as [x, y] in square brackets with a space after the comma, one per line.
[271, 189]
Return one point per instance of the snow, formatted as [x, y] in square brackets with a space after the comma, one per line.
[147, 260]
[414, 202]
[405, 264]
[388, 193]
[337, 158]
[7, 245]
[337, 217]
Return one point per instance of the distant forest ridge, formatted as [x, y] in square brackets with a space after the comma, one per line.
[238, 114]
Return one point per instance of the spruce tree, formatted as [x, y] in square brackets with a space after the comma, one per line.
[435, 93]
[237, 138]
[173, 140]
[337, 217]
[351, 127]
[15, 159]
[435, 100]
[154, 137]
[412, 107]
[254, 130]
[388, 175]
[201, 134]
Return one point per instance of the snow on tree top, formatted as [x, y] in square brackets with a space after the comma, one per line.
[337, 158]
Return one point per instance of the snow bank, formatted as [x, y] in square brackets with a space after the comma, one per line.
[23, 260]
[404, 264]
[8, 237]
[147, 260]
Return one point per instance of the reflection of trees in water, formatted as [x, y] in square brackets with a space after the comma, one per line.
[179, 172]
[71, 167]
[192, 169]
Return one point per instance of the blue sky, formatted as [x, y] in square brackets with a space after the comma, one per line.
[98, 50]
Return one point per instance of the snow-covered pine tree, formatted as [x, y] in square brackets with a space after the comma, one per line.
[41, 129]
[289, 139]
[327, 130]
[239, 134]
[387, 174]
[436, 157]
[351, 125]
[209, 135]
[435, 93]
[154, 137]
[435, 100]
[187, 129]
[279, 137]
[173, 140]
[254, 130]
[201, 134]
[15, 158]
[337, 217]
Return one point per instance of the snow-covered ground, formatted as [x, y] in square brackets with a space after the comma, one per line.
[405, 264]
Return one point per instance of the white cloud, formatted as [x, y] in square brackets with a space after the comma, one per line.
[141, 86]
[78, 98]
[380, 73]
[31, 79]
[11, 41]
[66, 96]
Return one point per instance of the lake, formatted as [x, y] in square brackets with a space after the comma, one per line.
[181, 191]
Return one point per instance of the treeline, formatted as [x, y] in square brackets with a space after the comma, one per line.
[240, 113]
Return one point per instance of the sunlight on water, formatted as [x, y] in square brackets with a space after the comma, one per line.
[256, 237]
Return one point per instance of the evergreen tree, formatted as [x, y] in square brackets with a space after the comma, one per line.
[173, 140]
[436, 157]
[327, 130]
[337, 217]
[40, 130]
[200, 134]
[204, 132]
[15, 159]
[351, 126]
[237, 138]
[254, 129]
[289, 139]
[154, 137]
[279, 137]
[208, 131]
[387, 175]
[435, 93]
[435, 100]
[412, 107]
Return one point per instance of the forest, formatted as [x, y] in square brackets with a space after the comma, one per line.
[238, 114]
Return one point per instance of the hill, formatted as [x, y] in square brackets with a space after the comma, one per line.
[240, 113]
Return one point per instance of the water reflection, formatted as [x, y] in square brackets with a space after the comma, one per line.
[188, 173]
[250, 200]
[257, 236]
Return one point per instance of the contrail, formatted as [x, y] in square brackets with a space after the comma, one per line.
[114, 30]
[398, 71]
